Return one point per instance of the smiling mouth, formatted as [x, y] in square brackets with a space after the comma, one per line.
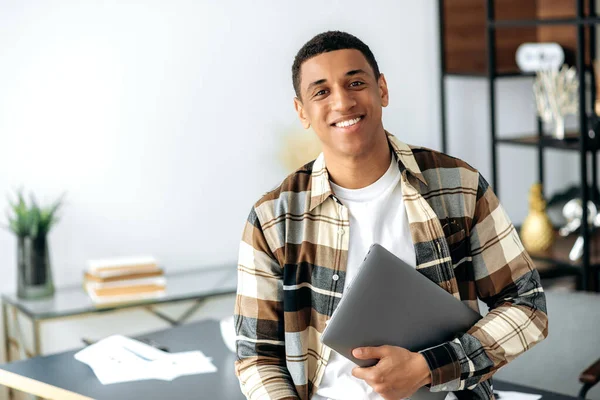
[349, 122]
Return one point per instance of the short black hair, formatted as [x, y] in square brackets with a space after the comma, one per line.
[326, 42]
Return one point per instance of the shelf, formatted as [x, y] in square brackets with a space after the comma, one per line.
[571, 142]
[467, 29]
[558, 254]
[499, 74]
[548, 270]
[515, 74]
[523, 23]
[508, 74]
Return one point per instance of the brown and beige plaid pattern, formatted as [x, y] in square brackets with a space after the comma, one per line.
[292, 264]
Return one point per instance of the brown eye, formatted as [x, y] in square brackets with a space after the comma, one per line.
[356, 84]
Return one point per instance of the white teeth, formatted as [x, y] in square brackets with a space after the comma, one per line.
[345, 124]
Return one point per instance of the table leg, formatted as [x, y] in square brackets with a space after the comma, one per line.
[20, 339]
[176, 322]
[37, 349]
[6, 332]
[162, 316]
[190, 311]
[37, 343]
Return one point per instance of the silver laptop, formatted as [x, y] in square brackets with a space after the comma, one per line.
[390, 303]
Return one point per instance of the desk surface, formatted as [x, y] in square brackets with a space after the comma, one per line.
[63, 371]
[180, 286]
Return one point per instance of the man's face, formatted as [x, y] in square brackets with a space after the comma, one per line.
[342, 100]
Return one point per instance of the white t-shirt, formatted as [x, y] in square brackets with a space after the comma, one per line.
[377, 215]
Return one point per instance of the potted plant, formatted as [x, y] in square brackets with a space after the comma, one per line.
[32, 224]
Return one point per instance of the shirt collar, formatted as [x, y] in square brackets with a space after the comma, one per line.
[321, 188]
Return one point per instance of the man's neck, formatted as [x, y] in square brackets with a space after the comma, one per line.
[360, 172]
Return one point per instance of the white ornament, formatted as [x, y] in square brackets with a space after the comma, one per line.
[533, 57]
[557, 95]
[573, 213]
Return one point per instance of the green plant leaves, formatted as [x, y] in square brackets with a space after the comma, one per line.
[31, 220]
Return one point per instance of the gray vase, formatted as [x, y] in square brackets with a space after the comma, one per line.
[34, 271]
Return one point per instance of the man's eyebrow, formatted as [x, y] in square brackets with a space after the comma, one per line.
[316, 83]
[355, 72]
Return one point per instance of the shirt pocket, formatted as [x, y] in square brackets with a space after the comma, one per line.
[458, 245]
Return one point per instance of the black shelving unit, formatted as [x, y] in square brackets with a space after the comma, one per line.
[585, 141]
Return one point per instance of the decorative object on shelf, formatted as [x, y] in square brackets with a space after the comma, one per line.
[573, 213]
[537, 232]
[299, 147]
[556, 96]
[32, 224]
[557, 201]
[533, 57]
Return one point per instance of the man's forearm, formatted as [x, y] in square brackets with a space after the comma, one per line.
[476, 355]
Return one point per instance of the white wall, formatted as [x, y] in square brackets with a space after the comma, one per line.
[162, 120]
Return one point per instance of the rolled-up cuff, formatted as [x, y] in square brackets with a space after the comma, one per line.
[444, 366]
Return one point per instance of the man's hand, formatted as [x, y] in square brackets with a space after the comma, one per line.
[398, 374]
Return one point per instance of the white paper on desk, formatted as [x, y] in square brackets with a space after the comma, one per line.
[185, 363]
[502, 395]
[121, 359]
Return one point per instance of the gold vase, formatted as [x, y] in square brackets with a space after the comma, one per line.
[537, 232]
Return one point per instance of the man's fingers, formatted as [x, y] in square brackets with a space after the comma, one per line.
[359, 372]
[365, 353]
[368, 374]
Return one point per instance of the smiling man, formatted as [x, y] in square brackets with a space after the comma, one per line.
[304, 241]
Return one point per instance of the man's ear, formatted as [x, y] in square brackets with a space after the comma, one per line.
[383, 91]
[301, 114]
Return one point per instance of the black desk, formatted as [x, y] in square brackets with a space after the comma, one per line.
[62, 377]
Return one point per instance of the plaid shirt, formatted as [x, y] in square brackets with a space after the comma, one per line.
[292, 264]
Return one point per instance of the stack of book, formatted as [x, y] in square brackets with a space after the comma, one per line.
[119, 280]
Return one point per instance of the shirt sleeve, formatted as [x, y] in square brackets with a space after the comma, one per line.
[507, 281]
[260, 364]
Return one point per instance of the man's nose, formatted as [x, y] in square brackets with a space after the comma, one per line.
[342, 100]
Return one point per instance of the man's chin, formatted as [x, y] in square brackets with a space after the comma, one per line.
[351, 150]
